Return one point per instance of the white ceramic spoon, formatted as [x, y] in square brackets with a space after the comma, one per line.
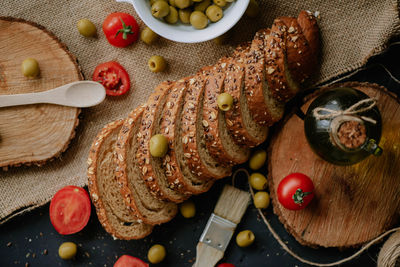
[80, 94]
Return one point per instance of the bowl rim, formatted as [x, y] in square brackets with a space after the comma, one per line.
[165, 30]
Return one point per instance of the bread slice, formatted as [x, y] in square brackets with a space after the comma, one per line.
[245, 131]
[309, 26]
[134, 190]
[281, 83]
[113, 215]
[263, 109]
[219, 141]
[298, 51]
[197, 157]
[151, 167]
[177, 172]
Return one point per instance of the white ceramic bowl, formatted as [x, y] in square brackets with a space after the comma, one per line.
[186, 33]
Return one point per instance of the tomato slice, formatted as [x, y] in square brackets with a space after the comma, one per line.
[226, 265]
[129, 261]
[113, 77]
[70, 210]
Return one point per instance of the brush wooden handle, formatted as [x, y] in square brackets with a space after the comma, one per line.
[207, 256]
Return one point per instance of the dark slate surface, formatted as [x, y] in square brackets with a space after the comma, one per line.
[27, 238]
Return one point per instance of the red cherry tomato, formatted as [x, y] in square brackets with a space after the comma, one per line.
[129, 261]
[295, 191]
[70, 210]
[113, 77]
[226, 265]
[121, 29]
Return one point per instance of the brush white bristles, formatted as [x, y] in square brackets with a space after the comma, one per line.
[228, 212]
[232, 204]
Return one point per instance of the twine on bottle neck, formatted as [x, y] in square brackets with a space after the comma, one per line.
[354, 109]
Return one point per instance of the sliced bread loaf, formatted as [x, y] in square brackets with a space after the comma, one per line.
[242, 127]
[219, 141]
[151, 167]
[175, 168]
[111, 210]
[262, 107]
[133, 188]
[197, 157]
[281, 83]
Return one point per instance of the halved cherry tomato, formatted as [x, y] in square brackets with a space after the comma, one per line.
[121, 29]
[295, 191]
[129, 261]
[113, 77]
[225, 265]
[70, 210]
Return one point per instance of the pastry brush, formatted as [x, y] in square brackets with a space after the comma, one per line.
[228, 212]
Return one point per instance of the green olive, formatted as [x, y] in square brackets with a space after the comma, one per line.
[220, 3]
[258, 181]
[198, 20]
[188, 209]
[202, 6]
[153, 1]
[158, 145]
[67, 250]
[148, 36]
[172, 3]
[197, 0]
[30, 68]
[160, 9]
[172, 17]
[257, 160]
[245, 238]
[223, 39]
[252, 9]
[157, 64]
[86, 28]
[156, 254]
[184, 15]
[182, 3]
[214, 13]
[261, 200]
[225, 101]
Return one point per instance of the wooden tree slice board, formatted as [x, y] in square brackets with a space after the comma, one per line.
[352, 204]
[34, 133]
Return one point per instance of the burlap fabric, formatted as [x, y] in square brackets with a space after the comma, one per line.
[352, 31]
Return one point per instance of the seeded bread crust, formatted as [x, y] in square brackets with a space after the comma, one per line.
[309, 26]
[157, 211]
[110, 222]
[151, 120]
[197, 157]
[278, 75]
[254, 79]
[243, 128]
[298, 51]
[219, 141]
[178, 173]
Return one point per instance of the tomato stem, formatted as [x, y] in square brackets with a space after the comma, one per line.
[125, 30]
[298, 196]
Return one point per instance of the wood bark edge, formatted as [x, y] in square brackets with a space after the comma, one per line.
[74, 60]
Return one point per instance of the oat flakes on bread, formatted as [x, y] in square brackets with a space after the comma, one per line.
[239, 121]
[151, 167]
[219, 141]
[298, 51]
[112, 213]
[134, 190]
[196, 155]
[280, 81]
[176, 170]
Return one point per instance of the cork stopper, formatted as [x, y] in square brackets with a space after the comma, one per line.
[352, 134]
